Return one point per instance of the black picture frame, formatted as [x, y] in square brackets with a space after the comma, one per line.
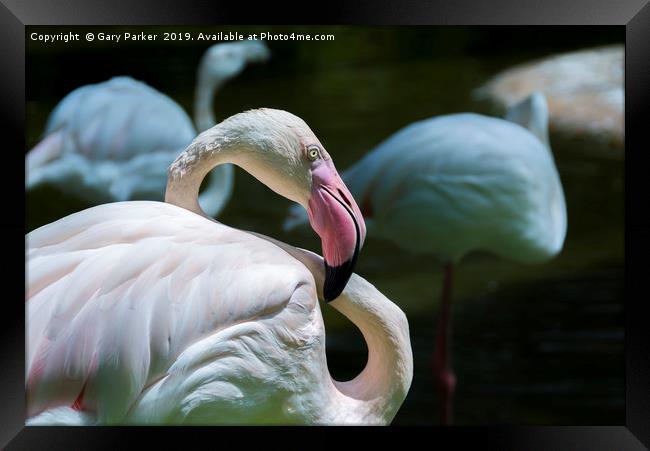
[634, 15]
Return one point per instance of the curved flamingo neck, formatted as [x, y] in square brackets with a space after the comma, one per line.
[264, 142]
[379, 390]
[204, 93]
[221, 182]
[375, 395]
[190, 168]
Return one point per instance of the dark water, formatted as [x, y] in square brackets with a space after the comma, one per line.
[538, 344]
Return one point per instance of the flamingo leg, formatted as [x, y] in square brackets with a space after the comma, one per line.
[443, 372]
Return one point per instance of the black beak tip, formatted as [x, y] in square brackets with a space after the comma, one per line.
[336, 278]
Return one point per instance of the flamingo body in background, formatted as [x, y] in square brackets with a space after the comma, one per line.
[462, 182]
[114, 141]
[146, 312]
[584, 89]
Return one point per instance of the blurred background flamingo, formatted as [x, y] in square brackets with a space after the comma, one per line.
[584, 90]
[114, 141]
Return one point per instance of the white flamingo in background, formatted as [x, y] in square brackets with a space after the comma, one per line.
[114, 141]
[146, 312]
[462, 182]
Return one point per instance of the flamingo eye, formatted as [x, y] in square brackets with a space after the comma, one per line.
[313, 153]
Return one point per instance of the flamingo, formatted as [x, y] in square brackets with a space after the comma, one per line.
[113, 141]
[462, 182]
[145, 312]
[584, 89]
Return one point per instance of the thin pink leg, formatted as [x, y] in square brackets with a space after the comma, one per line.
[442, 370]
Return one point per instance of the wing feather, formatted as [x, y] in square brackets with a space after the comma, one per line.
[119, 302]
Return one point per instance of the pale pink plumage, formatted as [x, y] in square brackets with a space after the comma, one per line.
[149, 313]
[132, 285]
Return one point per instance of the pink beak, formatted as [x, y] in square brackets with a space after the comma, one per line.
[336, 218]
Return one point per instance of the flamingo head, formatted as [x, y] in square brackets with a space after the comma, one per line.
[280, 150]
[336, 218]
[224, 61]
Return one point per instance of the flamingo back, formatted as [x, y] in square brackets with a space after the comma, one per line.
[143, 312]
[463, 182]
